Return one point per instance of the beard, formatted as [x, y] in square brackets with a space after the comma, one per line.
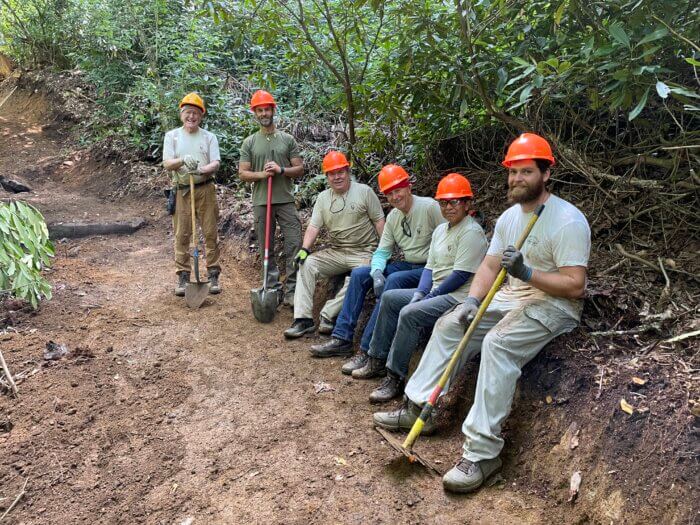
[265, 121]
[523, 193]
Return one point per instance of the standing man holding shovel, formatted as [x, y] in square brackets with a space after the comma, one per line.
[272, 156]
[541, 300]
[192, 151]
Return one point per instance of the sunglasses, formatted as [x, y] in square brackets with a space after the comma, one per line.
[451, 202]
[406, 227]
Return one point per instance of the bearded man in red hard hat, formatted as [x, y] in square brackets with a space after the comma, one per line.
[351, 214]
[271, 156]
[541, 300]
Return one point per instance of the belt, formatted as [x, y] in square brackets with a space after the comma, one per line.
[187, 186]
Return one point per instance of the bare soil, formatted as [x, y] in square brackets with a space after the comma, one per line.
[161, 414]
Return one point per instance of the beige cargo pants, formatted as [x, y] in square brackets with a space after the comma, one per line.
[324, 263]
[207, 213]
[510, 334]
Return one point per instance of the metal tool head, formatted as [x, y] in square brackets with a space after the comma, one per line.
[411, 455]
[196, 293]
[264, 303]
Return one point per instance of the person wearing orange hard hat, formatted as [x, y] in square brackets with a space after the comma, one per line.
[352, 216]
[456, 249]
[191, 150]
[271, 156]
[409, 227]
[541, 300]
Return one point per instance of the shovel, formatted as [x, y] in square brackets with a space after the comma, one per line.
[195, 292]
[264, 301]
[406, 448]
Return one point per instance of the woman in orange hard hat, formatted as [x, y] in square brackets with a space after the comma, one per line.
[187, 150]
[456, 250]
[271, 156]
[540, 301]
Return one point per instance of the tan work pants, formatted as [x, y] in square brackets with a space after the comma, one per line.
[325, 263]
[207, 212]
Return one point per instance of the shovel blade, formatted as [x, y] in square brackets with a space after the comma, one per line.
[195, 293]
[264, 303]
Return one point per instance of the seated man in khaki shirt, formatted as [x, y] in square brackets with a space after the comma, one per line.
[353, 217]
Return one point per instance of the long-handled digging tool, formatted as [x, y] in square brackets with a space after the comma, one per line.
[195, 292]
[264, 301]
[406, 448]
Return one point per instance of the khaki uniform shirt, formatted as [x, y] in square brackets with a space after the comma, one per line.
[412, 232]
[202, 145]
[560, 237]
[460, 247]
[349, 218]
[260, 148]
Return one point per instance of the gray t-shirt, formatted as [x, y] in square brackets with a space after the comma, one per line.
[561, 237]
[201, 144]
[350, 217]
[458, 247]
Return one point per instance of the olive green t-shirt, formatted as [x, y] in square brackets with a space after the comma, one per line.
[412, 232]
[349, 218]
[459, 247]
[260, 148]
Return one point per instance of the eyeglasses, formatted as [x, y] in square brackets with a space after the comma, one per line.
[451, 202]
[406, 227]
[341, 205]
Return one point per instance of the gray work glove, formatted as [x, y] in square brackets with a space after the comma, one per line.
[190, 163]
[378, 281]
[417, 296]
[467, 310]
[512, 260]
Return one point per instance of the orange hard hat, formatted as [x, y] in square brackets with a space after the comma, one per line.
[454, 186]
[528, 146]
[193, 99]
[334, 160]
[391, 176]
[261, 98]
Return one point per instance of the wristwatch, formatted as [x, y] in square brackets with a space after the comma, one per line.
[281, 170]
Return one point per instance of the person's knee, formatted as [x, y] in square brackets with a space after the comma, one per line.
[360, 273]
[409, 315]
[449, 322]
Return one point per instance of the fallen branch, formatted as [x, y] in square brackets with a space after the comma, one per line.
[8, 96]
[19, 496]
[8, 376]
[651, 265]
[631, 331]
[681, 337]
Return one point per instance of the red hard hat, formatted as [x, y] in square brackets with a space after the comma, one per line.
[261, 98]
[454, 186]
[334, 160]
[528, 146]
[390, 177]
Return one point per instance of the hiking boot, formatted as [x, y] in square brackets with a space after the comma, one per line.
[390, 388]
[182, 279]
[373, 368]
[299, 327]
[214, 286]
[358, 361]
[467, 476]
[325, 327]
[403, 419]
[332, 348]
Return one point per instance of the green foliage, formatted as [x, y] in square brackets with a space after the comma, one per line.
[25, 249]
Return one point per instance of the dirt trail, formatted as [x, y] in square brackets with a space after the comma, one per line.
[161, 413]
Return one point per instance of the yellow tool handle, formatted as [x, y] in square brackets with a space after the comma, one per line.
[194, 222]
[428, 408]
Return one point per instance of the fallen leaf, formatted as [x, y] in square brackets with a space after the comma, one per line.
[574, 485]
[639, 381]
[626, 407]
[323, 387]
[549, 400]
[340, 461]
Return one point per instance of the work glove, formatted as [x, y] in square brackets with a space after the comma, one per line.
[417, 297]
[467, 310]
[190, 163]
[301, 257]
[378, 281]
[512, 260]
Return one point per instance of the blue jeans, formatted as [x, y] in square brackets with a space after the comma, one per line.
[396, 337]
[400, 274]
